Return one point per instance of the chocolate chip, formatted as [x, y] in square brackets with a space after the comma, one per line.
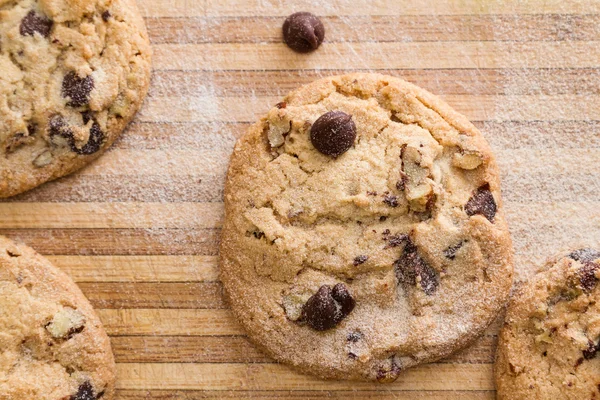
[411, 267]
[58, 127]
[77, 89]
[327, 308]
[333, 133]
[578, 362]
[450, 252]
[585, 255]
[360, 260]
[396, 240]
[303, 32]
[587, 276]
[85, 392]
[388, 373]
[33, 23]
[258, 234]
[390, 200]
[591, 350]
[106, 16]
[401, 184]
[482, 202]
[94, 141]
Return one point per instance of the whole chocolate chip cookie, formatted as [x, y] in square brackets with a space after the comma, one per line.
[364, 231]
[52, 344]
[72, 75]
[549, 344]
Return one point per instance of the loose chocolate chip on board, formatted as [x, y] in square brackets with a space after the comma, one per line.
[77, 89]
[333, 133]
[411, 268]
[33, 23]
[327, 308]
[585, 255]
[303, 32]
[85, 392]
[482, 202]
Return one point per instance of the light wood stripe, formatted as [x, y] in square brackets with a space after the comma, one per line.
[236, 349]
[169, 322]
[101, 215]
[112, 268]
[478, 108]
[111, 215]
[381, 28]
[347, 394]
[409, 55]
[192, 8]
[279, 377]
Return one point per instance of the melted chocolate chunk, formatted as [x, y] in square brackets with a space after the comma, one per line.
[85, 392]
[587, 276]
[397, 240]
[483, 203]
[585, 255]
[94, 142]
[411, 268]
[327, 308]
[77, 89]
[591, 350]
[303, 32]
[33, 23]
[58, 127]
[333, 133]
[360, 260]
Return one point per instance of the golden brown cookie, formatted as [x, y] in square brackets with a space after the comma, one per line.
[550, 339]
[364, 231]
[73, 74]
[52, 344]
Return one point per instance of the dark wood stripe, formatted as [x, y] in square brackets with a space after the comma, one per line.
[418, 28]
[116, 295]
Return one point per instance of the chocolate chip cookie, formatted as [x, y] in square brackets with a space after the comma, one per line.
[52, 344]
[364, 231]
[73, 74]
[549, 344]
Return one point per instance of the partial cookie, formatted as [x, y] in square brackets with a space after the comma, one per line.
[73, 74]
[364, 232]
[52, 344]
[550, 339]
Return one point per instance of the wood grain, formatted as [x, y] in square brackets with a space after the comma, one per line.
[139, 228]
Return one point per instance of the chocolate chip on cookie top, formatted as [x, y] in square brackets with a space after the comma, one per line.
[549, 343]
[303, 32]
[333, 133]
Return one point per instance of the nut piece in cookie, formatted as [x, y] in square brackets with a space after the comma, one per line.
[303, 32]
[65, 323]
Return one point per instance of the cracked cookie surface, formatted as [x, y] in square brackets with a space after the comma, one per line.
[550, 339]
[74, 73]
[358, 265]
[52, 344]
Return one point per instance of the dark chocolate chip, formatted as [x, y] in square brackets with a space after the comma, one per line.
[85, 392]
[360, 260]
[390, 200]
[77, 89]
[258, 234]
[587, 276]
[333, 133]
[106, 16]
[94, 141]
[303, 32]
[411, 266]
[482, 202]
[33, 23]
[382, 218]
[327, 308]
[578, 362]
[591, 350]
[58, 127]
[341, 294]
[585, 255]
[397, 240]
[450, 252]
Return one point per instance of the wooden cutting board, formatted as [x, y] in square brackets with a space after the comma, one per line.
[138, 229]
